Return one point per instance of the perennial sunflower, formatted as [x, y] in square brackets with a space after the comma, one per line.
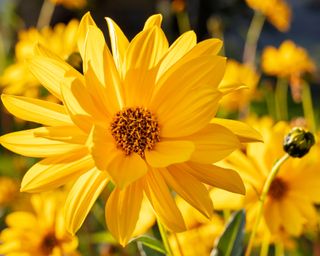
[139, 118]
[17, 78]
[289, 205]
[40, 232]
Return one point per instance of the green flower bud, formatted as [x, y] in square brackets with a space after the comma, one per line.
[298, 142]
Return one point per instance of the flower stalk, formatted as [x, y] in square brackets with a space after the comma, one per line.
[164, 237]
[307, 106]
[253, 35]
[281, 100]
[46, 13]
[263, 196]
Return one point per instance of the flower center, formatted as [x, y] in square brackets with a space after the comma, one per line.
[135, 130]
[278, 188]
[48, 243]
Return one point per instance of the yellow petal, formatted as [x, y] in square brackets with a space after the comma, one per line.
[226, 200]
[38, 111]
[272, 215]
[144, 53]
[82, 196]
[122, 211]
[212, 144]
[21, 220]
[27, 144]
[119, 44]
[162, 202]
[85, 22]
[53, 172]
[103, 148]
[50, 73]
[243, 131]
[146, 218]
[125, 169]
[189, 188]
[70, 134]
[177, 50]
[226, 179]
[166, 153]
[41, 51]
[79, 104]
[153, 20]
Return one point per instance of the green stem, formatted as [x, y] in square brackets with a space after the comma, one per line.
[265, 245]
[253, 35]
[164, 237]
[307, 106]
[183, 22]
[262, 199]
[46, 13]
[279, 249]
[281, 101]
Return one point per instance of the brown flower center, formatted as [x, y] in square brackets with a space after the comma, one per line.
[135, 130]
[278, 188]
[48, 243]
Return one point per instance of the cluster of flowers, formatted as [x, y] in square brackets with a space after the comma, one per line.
[138, 125]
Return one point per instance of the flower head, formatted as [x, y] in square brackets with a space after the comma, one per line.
[289, 205]
[17, 78]
[140, 118]
[38, 233]
[278, 12]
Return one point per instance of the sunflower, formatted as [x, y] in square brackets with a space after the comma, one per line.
[242, 74]
[17, 78]
[141, 118]
[289, 205]
[38, 233]
[278, 12]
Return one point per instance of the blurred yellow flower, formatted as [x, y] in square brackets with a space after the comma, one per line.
[278, 12]
[201, 234]
[72, 4]
[139, 118]
[287, 61]
[237, 73]
[8, 190]
[290, 202]
[17, 78]
[38, 233]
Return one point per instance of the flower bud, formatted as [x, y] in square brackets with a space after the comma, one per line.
[298, 142]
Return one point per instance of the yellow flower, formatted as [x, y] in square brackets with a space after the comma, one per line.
[290, 202]
[278, 12]
[241, 74]
[287, 61]
[201, 234]
[38, 233]
[17, 78]
[8, 190]
[140, 118]
[72, 4]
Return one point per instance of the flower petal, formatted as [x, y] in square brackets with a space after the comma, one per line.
[85, 22]
[212, 144]
[119, 44]
[50, 72]
[82, 196]
[190, 104]
[143, 54]
[21, 220]
[122, 211]
[162, 202]
[166, 153]
[243, 131]
[189, 188]
[226, 179]
[28, 144]
[38, 111]
[153, 20]
[125, 169]
[176, 51]
[53, 172]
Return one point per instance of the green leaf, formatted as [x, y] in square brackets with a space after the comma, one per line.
[151, 242]
[231, 240]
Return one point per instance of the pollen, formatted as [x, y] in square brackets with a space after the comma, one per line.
[278, 189]
[135, 130]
